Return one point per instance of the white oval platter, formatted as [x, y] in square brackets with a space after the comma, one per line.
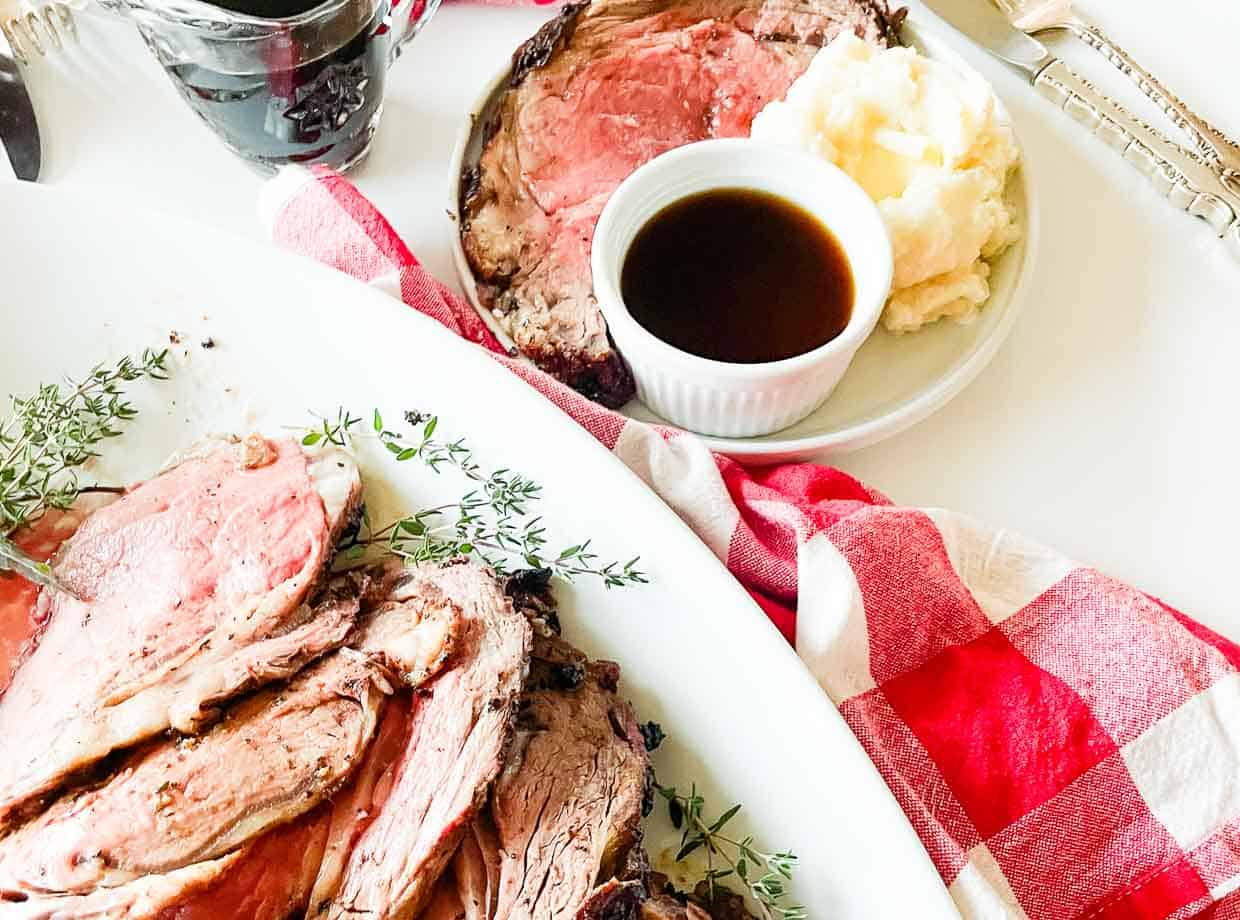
[83, 284]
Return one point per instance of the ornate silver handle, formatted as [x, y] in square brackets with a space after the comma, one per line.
[1182, 178]
[1209, 140]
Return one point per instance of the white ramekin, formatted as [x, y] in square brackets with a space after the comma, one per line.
[718, 397]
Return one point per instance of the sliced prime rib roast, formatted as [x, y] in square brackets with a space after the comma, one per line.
[567, 809]
[272, 757]
[561, 838]
[599, 90]
[459, 727]
[352, 785]
[476, 871]
[194, 583]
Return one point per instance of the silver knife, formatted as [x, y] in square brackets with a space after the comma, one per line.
[1179, 175]
[19, 132]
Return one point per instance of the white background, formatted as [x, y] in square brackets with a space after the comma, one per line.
[1107, 425]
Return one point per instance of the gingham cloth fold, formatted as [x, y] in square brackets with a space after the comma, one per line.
[1064, 745]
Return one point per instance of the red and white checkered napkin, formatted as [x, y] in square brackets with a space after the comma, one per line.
[1065, 746]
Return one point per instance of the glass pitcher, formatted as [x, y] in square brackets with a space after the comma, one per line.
[282, 81]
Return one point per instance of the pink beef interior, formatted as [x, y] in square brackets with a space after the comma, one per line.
[661, 89]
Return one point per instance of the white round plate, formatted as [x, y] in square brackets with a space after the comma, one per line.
[290, 336]
[895, 380]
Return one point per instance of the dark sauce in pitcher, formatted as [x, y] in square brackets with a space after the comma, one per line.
[267, 9]
[322, 110]
[738, 275]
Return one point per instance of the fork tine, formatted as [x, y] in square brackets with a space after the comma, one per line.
[67, 22]
[30, 25]
[8, 27]
[49, 26]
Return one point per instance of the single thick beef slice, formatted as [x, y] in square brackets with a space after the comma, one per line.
[600, 90]
[476, 871]
[459, 727]
[414, 637]
[357, 804]
[565, 814]
[195, 583]
[268, 879]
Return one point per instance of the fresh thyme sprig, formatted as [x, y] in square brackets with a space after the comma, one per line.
[491, 522]
[49, 435]
[337, 431]
[763, 874]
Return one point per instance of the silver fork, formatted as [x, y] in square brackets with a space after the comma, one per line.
[39, 31]
[1215, 148]
[14, 559]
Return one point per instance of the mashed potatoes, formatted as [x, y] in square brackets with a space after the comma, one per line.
[927, 144]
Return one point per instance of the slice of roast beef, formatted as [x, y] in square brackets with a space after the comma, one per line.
[560, 839]
[356, 805]
[269, 879]
[445, 902]
[459, 727]
[384, 634]
[568, 806]
[194, 584]
[476, 871]
[598, 91]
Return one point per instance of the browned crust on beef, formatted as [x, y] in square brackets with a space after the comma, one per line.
[614, 900]
[555, 34]
[607, 381]
[537, 50]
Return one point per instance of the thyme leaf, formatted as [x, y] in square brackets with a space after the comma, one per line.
[764, 875]
[48, 436]
[493, 521]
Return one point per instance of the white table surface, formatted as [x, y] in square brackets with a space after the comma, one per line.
[1107, 425]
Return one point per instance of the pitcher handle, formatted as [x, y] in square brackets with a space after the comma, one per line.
[405, 18]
